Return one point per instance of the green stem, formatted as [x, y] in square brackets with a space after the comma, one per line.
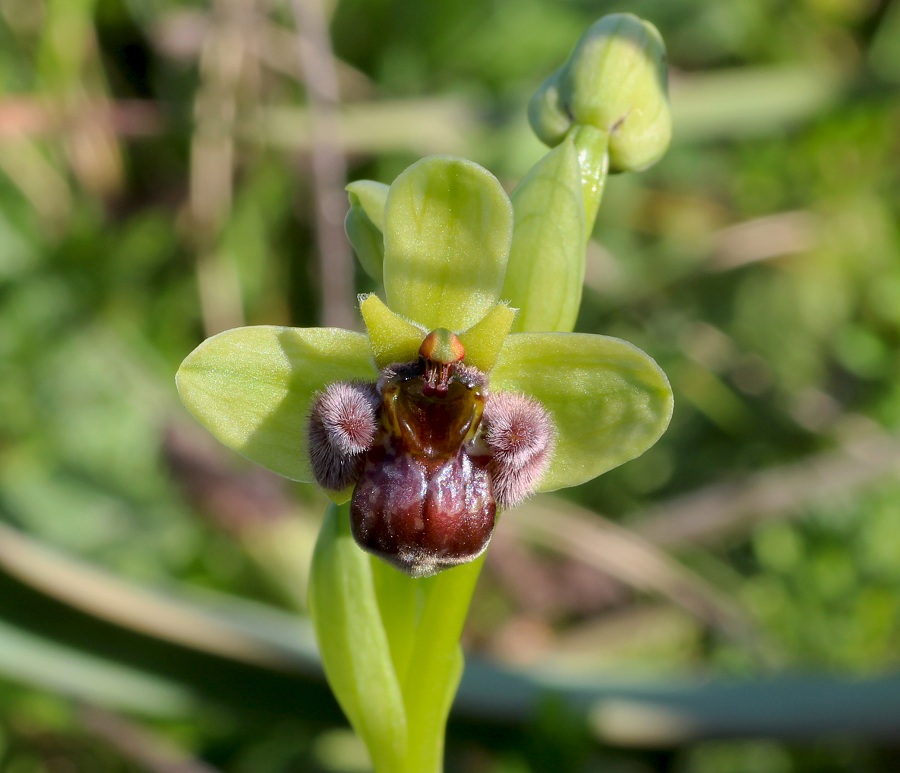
[592, 147]
[356, 652]
[398, 603]
[436, 663]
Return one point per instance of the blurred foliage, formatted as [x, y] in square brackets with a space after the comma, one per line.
[156, 181]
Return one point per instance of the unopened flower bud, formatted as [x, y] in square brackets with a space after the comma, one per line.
[615, 81]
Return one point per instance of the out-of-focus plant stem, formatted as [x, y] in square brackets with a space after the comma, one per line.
[222, 62]
[329, 169]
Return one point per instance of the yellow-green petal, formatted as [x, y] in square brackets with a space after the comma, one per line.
[609, 400]
[393, 339]
[251, 387]
[484, 340]
[448, 224]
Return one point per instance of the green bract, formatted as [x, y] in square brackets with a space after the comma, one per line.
[447, 235]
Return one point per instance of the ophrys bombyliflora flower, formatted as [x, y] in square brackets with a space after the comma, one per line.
[447, 223]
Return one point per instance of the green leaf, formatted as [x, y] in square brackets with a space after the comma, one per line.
[67, 670]
[364, 224]
[399, 600]
[609, 400]
[592, 147]
[448, 229]
[393, 339]
[546, 263]
[423, 619]
[252, 387]
[355, 651]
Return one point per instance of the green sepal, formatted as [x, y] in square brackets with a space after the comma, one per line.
[484, 340]
[448, 224]
[546, 263]
[355, 651]
[393, 339]
[252, 387]
[609, 401]
[364, 224]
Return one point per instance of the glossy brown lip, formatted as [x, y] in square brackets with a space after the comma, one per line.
[432, 456]
[424, 500]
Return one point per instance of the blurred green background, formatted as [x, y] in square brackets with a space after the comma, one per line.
[728, 603]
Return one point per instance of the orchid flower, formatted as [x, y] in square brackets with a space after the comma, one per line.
[453, 406]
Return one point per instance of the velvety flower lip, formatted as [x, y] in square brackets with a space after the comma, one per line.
[447, 227]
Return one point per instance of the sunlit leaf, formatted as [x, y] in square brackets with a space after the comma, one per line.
[609, 400]
[436, 661]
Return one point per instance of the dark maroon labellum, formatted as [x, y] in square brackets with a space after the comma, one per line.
[432, 456]
[424, 500]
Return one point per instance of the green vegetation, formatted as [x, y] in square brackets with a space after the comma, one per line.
[164, 176]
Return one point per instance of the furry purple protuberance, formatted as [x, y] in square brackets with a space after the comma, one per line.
[518, 432]
[342, 425]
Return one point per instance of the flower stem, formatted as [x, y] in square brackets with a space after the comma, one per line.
[436, 663]
[592, 147]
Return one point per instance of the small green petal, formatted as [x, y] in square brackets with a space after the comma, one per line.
[448, 224]
[484, 340]
[546, 263]
[251, 387]
[609, 400]
[393, 338]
